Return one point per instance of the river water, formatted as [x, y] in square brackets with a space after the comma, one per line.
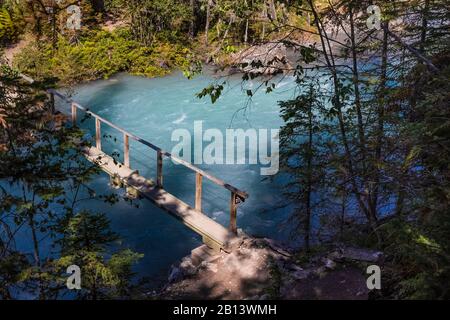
[152, 109]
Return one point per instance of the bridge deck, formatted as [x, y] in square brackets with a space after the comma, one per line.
[214, 234]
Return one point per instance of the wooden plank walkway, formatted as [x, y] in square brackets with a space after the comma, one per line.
[214, 235]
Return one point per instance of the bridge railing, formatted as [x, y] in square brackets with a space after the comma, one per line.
[237, 196]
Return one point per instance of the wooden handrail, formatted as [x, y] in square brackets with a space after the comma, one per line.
[98, 133]
[242, 195]
[159, 172]
[126, 150]
[74, 114]
[198, 191]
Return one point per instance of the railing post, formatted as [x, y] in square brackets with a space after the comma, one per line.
[74, 115]
[198, 191]
[98, 134]
[126, 151]
[233, 213]
[159, 173]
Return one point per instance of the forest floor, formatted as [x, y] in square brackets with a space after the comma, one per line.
[12, 50]
[111, 23]
[260, 270]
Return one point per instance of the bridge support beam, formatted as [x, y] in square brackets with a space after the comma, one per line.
[210, 243]
[132, 192]
[115, 181]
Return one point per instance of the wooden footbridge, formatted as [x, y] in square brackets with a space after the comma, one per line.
[214, 235]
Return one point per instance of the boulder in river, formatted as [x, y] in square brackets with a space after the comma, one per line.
[362, 254]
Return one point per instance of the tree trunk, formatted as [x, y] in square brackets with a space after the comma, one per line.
[414, 51]
[225, 35]
[362, 139]
[272, 10]
[380, 115]
[264, 17]
[309, 179]
[208, 20]
[423, 35]
[54, 34]
[372, 211]
[246, 32]
[329, 58]
[342, 218]
[192, 22]
[32, 226]
[218, 28]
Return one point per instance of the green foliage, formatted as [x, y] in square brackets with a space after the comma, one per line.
[418, 260]
[301, 142]
[12, 264]
[84, 231]
[374, 140]
[84, 240]
[41, 176]
[7, 29]
[100, 54]
[158, 20]
[213, 91]
[417, 241]
[276, 279]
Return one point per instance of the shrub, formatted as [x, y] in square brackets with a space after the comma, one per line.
[100, 54]
[7, 29]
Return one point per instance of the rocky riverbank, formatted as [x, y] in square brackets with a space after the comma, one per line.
[261, 269]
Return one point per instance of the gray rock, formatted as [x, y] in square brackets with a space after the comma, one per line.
[294, 267]
[321, 271]
[241, 233]
[361, 254]
[301, 274]
[291, 268]
[330, 264]
[265, 297]
[286, 287]
[335, 255]
[187, 267]
[209, 266]
[175, 274]
[212, 267]
[277, 248]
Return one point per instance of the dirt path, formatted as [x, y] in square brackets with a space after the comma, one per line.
[14, 49]
[258, 270]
